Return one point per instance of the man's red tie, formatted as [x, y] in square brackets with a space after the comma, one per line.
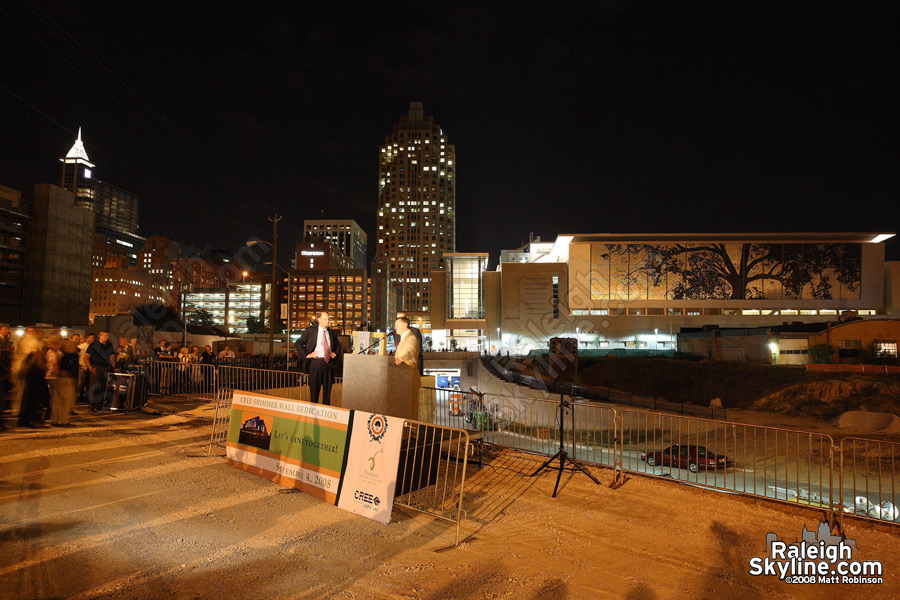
[325, 346]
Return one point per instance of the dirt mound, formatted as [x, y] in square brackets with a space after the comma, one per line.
[869, 421]
[832, 398]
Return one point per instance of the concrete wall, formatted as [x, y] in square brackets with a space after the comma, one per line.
[750, 347]
[60, 241]
[892, 288]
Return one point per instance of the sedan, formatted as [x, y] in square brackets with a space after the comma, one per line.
[687, 456]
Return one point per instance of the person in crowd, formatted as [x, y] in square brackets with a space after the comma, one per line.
[51, 355]
[137, 350]
[84, 372]
[321, 350]
[101, 358]
[6, 350]
[227, 354]
[207, 357]
[184, 355]
[124, 353]
[195, 354]
[63, 397]
[29, 368]
[163, 352]
[418, 334]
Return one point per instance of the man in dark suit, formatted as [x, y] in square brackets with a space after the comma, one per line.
[319, 350]
[416, 332]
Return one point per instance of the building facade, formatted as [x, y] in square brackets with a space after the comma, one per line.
[117, 290]
[14, 217]
[637, 291]
[346, 234]
[340, 292]
[116, 212]
[321, 254]
[416, 205]
[59, 273]
[231, 305]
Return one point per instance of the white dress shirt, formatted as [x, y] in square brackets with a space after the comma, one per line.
[322, 349]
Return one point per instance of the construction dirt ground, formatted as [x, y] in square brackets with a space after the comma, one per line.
[132, 506]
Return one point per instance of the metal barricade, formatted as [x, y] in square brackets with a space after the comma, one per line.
[284, 384]
[432, 471]
[219, 434]
[451, 408]
[532, 425]
[774, 463]
[187, 380]
[870, 479]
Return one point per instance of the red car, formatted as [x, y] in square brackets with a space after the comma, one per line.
[686, 456]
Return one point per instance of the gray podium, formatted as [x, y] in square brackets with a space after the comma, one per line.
[373, 383]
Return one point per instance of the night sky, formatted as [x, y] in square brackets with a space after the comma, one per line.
[571, 118]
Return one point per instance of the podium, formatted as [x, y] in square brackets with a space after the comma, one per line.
[375, 384]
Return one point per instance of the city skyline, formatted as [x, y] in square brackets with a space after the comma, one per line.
[595, 119]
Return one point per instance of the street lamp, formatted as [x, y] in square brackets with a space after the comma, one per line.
[274, 246]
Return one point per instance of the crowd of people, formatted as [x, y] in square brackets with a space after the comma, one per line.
[42, 375]
[191, 354]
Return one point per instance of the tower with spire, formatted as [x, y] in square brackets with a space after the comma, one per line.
[116, 211]
[76, 174]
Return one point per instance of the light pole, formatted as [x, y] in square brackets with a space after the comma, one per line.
[274, 221]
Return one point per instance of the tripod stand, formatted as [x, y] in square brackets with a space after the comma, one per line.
[562, 455]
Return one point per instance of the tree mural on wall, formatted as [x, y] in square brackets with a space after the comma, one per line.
[736, 271]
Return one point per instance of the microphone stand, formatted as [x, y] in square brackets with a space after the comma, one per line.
[562, 454]
[378, 341]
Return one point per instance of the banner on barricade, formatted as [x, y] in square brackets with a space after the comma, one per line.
[343, 457]
[370, 473]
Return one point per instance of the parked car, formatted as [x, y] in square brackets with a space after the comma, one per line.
[687, 456]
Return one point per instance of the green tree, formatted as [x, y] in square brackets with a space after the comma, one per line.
[202, 317]
[255, 325]
[822, 354]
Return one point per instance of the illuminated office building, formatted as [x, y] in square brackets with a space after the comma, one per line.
[345, 234]
[340, 292]
[321, 254]
[416, 205]
[637, 292]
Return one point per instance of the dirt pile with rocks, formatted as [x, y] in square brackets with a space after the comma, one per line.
[831, 398]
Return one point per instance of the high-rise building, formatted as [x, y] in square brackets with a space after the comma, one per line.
[340, 292]
[416, 205]
[59, 274]
[321, 254]
[346, 234]
[76, 174]
[118, 288]
[116, 211]
[14, 217]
